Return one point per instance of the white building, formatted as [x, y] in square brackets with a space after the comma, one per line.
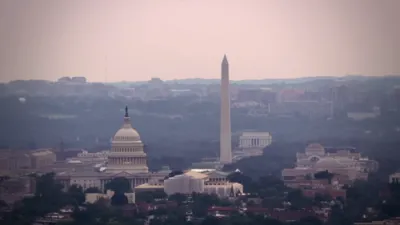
[249, 140]
[184, 184]
[394, 178]
[209, 182]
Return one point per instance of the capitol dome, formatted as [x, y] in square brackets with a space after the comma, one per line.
[126, 133]
[127, 153]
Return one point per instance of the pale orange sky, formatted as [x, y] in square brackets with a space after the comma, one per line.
[174, 39]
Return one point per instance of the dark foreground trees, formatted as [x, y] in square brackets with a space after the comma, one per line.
[48, 197]
[120, 186]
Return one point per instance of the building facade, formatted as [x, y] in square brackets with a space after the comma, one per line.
[127, 153]
[250, 140]
[208, 182]
[394, 178]
[345, 163]
[19, 160]
[42, 157]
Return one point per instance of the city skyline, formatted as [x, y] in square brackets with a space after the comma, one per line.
[137, 40]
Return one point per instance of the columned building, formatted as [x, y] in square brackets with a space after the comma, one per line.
[345, 163]
[127, 153]
[251, 144]
[254, 140]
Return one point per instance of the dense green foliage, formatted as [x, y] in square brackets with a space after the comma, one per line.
[119, 185]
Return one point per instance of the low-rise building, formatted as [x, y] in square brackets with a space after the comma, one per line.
[42, 158]
[345, 163]
[210, 182]
[11, 160]
[15, 160]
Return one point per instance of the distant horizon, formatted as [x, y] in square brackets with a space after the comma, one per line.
[198, 78]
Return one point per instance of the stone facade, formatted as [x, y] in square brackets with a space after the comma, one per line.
[15, 160]
[345, 163]
[250, 140]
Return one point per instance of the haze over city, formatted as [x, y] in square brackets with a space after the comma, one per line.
[136, 40]
[199, 112]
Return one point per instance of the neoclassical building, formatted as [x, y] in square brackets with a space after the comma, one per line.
[254, 140]
[126, 159]
[343, 162]
[127, 153]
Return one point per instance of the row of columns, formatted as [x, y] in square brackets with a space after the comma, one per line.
[254, 142]
[124, 149]
[127, 160]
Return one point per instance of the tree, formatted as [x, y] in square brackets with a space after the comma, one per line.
[150, 196]
[144, 196]
[322, 198]
[201, 203]
[95, 190]
[247, 182]
[76, 194]
[337, 216]
[97, 213]
[119, 185]
[48, 197]
[297, 199]
[159, 194]
[174, 173]
[48, 187]
[211, 220]
[3, 204]
[309, 221]
[178, 197]
[119, 199]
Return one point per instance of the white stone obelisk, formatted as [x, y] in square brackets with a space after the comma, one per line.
[225, 156]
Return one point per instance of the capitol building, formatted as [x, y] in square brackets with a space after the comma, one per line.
[126, 159]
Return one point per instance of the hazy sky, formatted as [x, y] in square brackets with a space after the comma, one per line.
[139, 39]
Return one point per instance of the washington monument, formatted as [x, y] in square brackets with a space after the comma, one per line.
[225, 155]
